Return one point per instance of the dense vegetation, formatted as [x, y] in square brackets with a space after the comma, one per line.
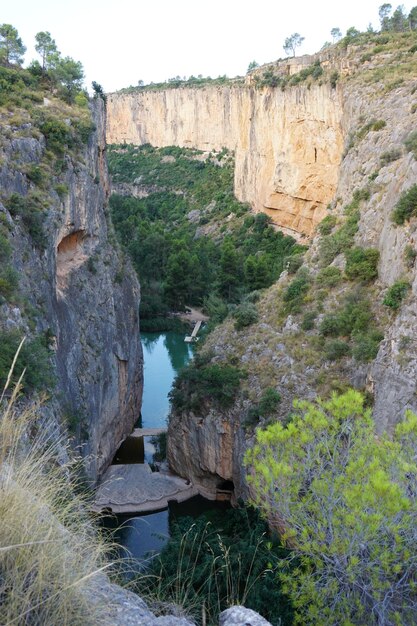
[346, 502]
[216, 561]
[191, 241]
[202, 383]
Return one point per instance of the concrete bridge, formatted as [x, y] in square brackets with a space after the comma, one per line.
[148, 432]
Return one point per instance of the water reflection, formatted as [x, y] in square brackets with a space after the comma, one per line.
[149, 341]
[139, 537]
[145, 535]
[164, 355]
[179, 352]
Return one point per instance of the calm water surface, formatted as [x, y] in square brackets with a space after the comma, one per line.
[165, 354]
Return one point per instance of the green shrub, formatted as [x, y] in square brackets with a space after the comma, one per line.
[245, 314]
[5, 248]
[295, 291]
[37, 175]
[327, 224]
[355, 316]
[362, 264]
[410, 255]
[269, 402]
[9, 280]
[336, 349]
[411, 143]
[267, 405]
[293, 263]
[61, 189]
[343, 238]
[329, 276]
[406, 207]
[334, 77]
[29, 208]
[34, 356]
[378, 125]
[390, 156]
[366, 345]
[333, 326]
[373, 125]
[396, 294]
[198, 385]
[57, 134]
[308, 320]
[84, 128]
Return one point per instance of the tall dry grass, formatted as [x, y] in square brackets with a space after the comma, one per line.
[49, 551]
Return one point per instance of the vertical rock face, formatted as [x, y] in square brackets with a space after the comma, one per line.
[277, 351]
[287, 144]
[84, 294]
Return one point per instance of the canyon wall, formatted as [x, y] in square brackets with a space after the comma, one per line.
[76, 290]
[285, 352]
[287, 144]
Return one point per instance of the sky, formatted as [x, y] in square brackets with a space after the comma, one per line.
[120, 42]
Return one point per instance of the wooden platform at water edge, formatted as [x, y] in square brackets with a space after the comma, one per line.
[193, 337]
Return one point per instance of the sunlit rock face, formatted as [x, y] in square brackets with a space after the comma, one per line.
[288, 144]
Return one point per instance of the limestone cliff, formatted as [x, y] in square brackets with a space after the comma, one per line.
[291, 349]
[75, 287]
[287, 144]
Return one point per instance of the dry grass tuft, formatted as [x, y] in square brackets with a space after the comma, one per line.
[48, 547]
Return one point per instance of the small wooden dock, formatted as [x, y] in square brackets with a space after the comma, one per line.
[193, 337]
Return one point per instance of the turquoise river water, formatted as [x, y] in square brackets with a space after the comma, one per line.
[165, 354]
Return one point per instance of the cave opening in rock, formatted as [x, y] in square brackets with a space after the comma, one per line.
[70, 255]
[225, 485]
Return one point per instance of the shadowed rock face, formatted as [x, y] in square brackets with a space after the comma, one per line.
[288, 145]
[83, 293]
[99, 356]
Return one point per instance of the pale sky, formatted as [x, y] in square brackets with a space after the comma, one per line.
[122, 41]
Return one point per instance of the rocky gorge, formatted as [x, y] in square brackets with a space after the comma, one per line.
[337, 152]
[326, 147]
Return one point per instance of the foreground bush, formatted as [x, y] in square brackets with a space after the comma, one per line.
[346, 501]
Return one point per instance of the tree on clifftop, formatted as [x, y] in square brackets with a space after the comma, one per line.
[11, 45]
[46, 47]
[336, 34]
[384, 15]
[292, 43]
